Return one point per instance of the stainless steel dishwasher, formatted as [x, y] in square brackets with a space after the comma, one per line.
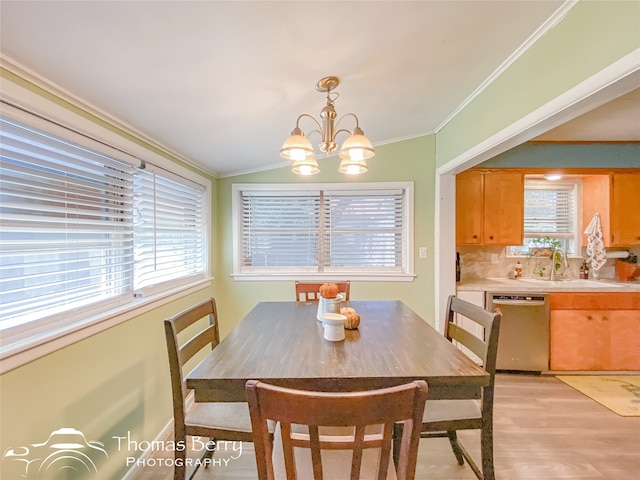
[523, 344]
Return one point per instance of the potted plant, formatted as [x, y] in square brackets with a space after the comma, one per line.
[544, 247]
[627, 268]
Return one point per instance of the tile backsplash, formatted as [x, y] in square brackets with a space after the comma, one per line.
[479, 262]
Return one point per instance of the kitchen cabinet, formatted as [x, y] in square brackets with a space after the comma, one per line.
[489, 208]
[625, 214]
[615, 197]
[595, 331]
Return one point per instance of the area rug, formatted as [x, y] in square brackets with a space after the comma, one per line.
[619, 393]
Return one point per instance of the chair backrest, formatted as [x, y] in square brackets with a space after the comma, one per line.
[350, 413]
[179, 355]
[310, 291]
[486, 348]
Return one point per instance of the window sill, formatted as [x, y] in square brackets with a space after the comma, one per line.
[364, 277]
[21, 352]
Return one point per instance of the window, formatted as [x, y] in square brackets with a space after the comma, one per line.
[82, 231]
[550, 216]
[316, 230]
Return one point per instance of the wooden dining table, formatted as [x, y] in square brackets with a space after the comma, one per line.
[282, 343]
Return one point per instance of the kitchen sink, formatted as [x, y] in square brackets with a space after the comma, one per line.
[572, 283]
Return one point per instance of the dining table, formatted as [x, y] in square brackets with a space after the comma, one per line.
[282, 343]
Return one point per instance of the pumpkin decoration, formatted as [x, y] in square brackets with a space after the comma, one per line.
[353, 318]
[329, 290]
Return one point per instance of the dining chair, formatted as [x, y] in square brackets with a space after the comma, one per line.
[443, 418]
[218, 421]
[336, 435]
[309, 291]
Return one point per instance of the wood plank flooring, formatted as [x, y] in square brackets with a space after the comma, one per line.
[543, 429]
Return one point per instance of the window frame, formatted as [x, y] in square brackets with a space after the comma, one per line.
[576, 183]
[305, 273]
[24, 343]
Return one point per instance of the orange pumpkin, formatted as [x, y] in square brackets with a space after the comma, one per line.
[329, 290]
[353, 318]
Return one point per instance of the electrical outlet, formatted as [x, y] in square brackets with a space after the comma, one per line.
[494, 259]
[422, 252]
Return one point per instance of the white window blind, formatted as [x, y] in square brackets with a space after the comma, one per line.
[81, 231]
[280, 230]
[66, 237]
[169, 234]
[549, 211]
[322, 229]
[363, 230]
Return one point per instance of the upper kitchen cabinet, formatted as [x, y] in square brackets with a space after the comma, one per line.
[489, 208]
[625, 209]
[616, 197]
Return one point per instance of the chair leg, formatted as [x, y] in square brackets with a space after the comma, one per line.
[486, 448]
[179, 467]
[455, 446]
[208, 454]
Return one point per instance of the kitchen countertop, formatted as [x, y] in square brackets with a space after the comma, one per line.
[531, 285]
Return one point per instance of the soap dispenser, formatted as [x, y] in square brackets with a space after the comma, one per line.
[584, 270]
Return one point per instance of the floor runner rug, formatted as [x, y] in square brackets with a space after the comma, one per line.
[619, 393]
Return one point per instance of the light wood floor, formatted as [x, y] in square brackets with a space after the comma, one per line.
[543, 429]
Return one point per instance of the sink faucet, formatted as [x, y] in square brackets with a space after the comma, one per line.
[563, 257]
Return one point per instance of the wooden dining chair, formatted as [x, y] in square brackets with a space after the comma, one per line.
[310, 291]
[442, 418]
[218, 421]
[328, 431]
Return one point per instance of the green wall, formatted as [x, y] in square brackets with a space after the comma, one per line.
[592, 36]
[410, 160]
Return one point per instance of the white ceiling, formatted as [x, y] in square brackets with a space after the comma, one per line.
[221, 83]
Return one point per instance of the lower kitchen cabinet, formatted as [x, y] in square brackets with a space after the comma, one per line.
[603, 336]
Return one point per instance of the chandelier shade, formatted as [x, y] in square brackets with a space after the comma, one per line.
[354, 151]
[297, 146]
[306, 166]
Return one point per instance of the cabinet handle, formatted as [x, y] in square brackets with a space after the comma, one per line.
[490, 237]
[605, 319]
[589, 317]
[474, 237]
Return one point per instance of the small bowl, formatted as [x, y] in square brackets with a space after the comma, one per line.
[333, 319]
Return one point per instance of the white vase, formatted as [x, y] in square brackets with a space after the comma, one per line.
[329, 305]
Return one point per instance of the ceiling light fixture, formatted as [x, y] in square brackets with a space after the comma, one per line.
[355, 150]
[553, 176]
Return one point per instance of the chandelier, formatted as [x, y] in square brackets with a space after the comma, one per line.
[355, 150]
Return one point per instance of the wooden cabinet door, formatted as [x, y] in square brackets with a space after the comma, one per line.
[624, 335]
[573, 339]
[503, 216]
[596, 198]
[469, 208]
[625, 214]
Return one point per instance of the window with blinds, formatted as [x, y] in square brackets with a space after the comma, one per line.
[550, 213]
[317, 229]
[169, 232]
[81, 230]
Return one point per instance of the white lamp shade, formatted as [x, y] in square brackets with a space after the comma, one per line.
[357, 147]
[297, 147]
[352, 167]
[306, 166]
